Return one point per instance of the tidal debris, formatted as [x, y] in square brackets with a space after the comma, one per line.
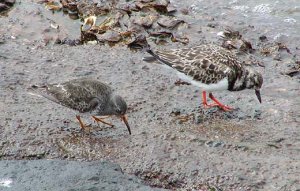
[123, 22]
[5, 6]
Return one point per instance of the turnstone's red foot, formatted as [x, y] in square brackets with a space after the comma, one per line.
[216, 102]
[211, 68]
[86, 96]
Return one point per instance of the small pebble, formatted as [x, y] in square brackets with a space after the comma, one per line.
[214, 143]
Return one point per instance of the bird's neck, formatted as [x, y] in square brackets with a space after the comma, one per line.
[240, 81]
[106, 107]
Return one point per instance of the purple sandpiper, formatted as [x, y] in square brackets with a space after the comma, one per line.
[86, 96]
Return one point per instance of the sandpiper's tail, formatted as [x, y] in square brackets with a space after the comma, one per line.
[42, 91]
[36, 90]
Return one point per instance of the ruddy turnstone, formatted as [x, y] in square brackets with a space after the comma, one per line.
[86, 96]
[212, 68]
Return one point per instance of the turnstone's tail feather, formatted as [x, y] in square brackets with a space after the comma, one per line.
[158, 58]
[198, 64]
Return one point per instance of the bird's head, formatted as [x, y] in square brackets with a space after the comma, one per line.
[119, 108]
[119, 105]
[254, 80]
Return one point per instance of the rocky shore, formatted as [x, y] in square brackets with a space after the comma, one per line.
[175, 143]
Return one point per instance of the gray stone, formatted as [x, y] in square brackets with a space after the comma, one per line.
[66, 175]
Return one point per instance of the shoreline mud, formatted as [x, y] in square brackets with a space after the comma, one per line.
[175, 143]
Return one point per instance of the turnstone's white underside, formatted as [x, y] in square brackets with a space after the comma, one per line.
[220, 86]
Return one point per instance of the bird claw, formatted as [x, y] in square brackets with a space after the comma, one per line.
[101, 120]
[207, 106]
[85, 130]
[82, 125]
[225, 107]
[219, 104]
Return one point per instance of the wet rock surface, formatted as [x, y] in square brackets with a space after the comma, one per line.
[176, 144]
[66, 175]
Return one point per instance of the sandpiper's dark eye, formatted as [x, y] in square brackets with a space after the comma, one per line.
[118, 110]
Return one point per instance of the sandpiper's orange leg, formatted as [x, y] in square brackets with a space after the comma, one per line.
[219, 104]
[81, 123]
[101, 120]
[204, 101]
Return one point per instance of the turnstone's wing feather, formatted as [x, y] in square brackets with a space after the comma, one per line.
[205, 63]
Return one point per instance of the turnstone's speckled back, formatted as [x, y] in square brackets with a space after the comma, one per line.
[86, 96]
[211, 68]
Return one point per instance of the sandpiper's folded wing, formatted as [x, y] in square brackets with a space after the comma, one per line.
[79, 95]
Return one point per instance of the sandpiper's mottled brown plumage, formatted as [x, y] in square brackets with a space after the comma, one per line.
[86, 96]
[211, 68]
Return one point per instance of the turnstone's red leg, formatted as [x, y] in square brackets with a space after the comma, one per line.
[80, 122]
[219, 104]
[101, 120]
[204, 101]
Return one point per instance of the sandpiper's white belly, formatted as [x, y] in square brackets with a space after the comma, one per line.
[219, 86]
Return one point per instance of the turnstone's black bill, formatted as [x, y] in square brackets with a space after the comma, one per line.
[86, 96]
[212, 68]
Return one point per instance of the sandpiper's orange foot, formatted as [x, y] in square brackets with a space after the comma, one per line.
[97, 119]
[82, 125]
